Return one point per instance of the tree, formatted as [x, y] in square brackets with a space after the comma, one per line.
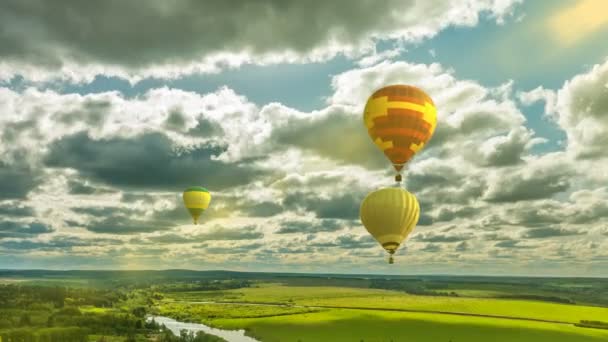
[25, 320]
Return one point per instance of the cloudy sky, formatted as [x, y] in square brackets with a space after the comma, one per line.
[109, 109]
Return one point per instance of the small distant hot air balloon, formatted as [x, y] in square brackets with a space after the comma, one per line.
[400, 119]
[390, 215]
[196, 200]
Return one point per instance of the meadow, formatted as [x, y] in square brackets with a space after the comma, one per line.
[278, 307]
[354, 314]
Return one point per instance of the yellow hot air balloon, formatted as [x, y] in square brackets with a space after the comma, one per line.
[196, 200]
[400, 119]
[390, 215]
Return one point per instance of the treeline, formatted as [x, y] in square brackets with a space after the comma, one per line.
[20, 296]
[204, 285]
[185, 336]
[593, 324]
[539, 298]
[62, 334]
[411, 287]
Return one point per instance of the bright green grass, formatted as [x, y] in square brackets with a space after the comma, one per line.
[480, 306]
[95, 310]
[383, 299]
[356, 325]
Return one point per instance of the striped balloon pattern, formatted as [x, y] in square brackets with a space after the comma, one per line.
[400, 119]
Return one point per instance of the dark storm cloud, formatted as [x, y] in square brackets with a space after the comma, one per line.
[348, 241]
[462, 247]
[176, 120]
[431, 248]
[91, 112]
[539, 215]
[424, 220]
[495, 237]
[214, 234]
[125, 225]
[13, 210]
[596, 212]
[239, 249]
[206, 128]
[221, 233]
[103, 211]
[515, 186]
[293, 226]
[343, 206]
[444, 183]
[542, 233]
[446, 215]
[118, 220]
[510, 244]
[16, 181]
[147, 161]
[442, 237]
[57, 242]
[141, 33]
[13, 229]
[263, 209]
[79, 188]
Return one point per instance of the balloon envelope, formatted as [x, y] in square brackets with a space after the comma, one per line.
[400, 119]
[390, 215]
[196, 200]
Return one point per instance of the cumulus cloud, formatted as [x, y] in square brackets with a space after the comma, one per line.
[541, 233]
[146, 161]
[192, 36]
[20, 229]
[542, 178]
[582, 111]
[283, 181]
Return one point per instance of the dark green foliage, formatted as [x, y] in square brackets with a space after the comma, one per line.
[593, 324]
[60, 334]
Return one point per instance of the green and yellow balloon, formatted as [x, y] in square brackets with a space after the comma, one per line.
[196, 200]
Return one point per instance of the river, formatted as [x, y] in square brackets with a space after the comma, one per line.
[177, 326]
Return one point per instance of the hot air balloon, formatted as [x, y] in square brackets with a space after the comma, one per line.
[390, 215]
[196, 200]
[400, 119]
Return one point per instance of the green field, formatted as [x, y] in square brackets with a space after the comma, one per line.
[273, 307]
[355, 325]
[375, 315]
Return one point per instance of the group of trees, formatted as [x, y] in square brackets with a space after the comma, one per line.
[52, 314]
[408, 286]
[205, 285]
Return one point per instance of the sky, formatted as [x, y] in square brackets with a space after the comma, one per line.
[110, 109]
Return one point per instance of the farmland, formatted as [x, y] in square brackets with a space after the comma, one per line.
[285, 307]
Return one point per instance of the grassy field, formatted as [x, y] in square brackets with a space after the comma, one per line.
[356, 325]
[296, 308]
[368, 322]
[383, 299]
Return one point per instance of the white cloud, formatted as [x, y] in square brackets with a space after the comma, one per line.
[476, 180]
[582, 107]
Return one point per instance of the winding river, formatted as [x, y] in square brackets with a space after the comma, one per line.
[177, 326]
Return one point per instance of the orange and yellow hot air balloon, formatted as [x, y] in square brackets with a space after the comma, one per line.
[400, 119]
